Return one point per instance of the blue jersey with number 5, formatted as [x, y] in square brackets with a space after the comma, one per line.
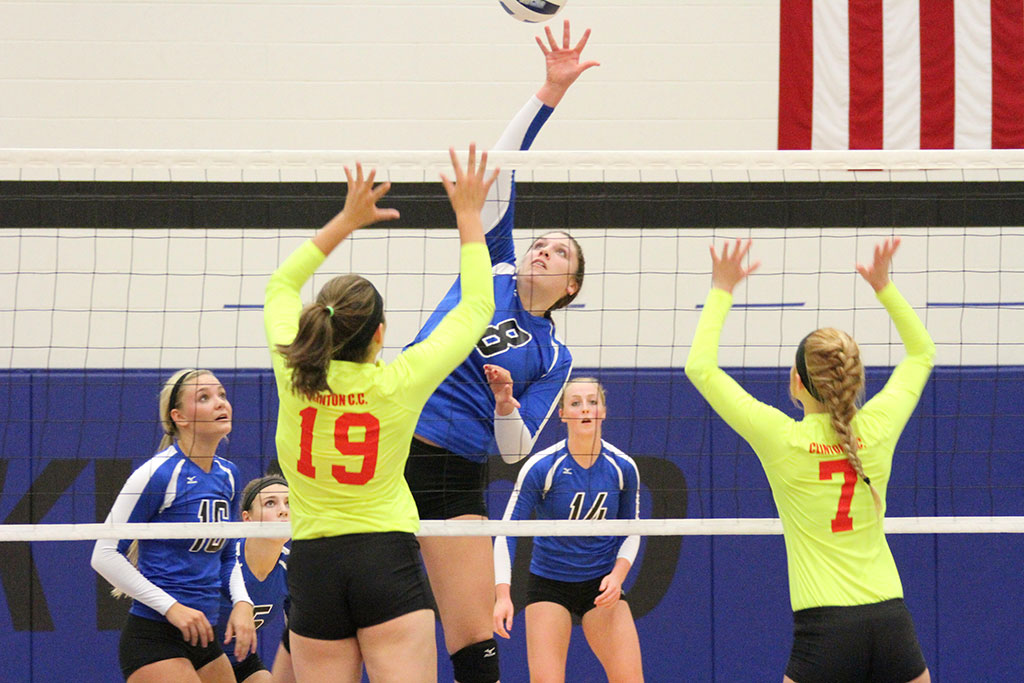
[267, 596]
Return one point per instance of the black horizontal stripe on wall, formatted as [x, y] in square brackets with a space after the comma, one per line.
[48, 204]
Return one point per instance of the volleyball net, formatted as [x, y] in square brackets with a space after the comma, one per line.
[119, 267]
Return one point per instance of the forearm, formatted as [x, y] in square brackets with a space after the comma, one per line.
[234, 581]
[912, 331]
[123, 575]
[512, 436]
[703, 357]
[334, 232]
[282, 302]
[470, 227]
[551, 93]
[621, 569]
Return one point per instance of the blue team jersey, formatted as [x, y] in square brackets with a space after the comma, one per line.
[459, 416]
[553, 485]
[172, 488]
[268, 595]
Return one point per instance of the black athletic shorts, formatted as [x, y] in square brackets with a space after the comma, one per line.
[144, 641]
[874, 642]
[443, 484]
[248, 666]
[340, 584]
[575, 596]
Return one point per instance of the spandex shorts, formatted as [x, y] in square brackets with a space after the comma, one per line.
[874, 642]
[443, 484]
[248, 666]
[575, 596]
[145, 641]
[340, 584]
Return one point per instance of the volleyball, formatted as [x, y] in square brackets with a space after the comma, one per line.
[533, 11]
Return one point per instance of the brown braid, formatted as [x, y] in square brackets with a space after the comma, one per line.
[835, 369]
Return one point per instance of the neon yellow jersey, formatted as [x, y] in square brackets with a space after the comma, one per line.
[835, 544]
[344, 452]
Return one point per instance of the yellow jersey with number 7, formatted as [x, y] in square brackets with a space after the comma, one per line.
[836, 549]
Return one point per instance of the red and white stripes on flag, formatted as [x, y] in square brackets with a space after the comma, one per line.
[901, 74]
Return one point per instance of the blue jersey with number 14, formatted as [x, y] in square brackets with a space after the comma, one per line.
[459, 416]
[554, 485]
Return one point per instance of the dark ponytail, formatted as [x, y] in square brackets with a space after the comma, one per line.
[339, 325]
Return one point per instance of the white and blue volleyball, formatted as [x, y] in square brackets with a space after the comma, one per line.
[533, 11]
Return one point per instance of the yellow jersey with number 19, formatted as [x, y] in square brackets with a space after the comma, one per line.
[836, 549]
[344, 451]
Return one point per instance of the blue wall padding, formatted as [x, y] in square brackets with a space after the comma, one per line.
[709, 608]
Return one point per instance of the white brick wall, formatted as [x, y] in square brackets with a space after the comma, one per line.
[379, 74]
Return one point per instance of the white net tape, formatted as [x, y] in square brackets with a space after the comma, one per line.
[622, 527]
[415, 166]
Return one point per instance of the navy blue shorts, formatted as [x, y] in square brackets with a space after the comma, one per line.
[443, 484]
[575, 596]
[340, 584]
[874, 642]
[145, 641]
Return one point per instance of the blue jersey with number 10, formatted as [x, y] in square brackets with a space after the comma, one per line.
[459, 416]
[171, 488]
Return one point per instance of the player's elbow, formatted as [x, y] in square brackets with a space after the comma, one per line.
[97, 561]
[694, 368]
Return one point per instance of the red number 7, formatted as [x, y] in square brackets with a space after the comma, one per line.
[367, 448]
[828, 468]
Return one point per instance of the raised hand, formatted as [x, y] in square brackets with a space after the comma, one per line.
[500, 381]
[362, 197]
[728, 270]
[877, 274]
[562, 64]
[360, 210]
[469, 189]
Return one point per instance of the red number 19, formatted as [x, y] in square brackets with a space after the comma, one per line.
[367, 448]
[827, 468]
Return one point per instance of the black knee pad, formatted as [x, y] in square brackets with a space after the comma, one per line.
[477, 663]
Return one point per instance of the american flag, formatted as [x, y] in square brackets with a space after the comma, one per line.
[901, 74]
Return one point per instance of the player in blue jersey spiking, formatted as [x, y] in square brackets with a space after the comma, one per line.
[175, 584]
[580, 477]
[264, 563]
[501, 396]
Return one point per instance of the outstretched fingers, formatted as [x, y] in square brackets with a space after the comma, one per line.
[728, 270]
[582, 41]
[551, 38]
[470, 186]
[877, 274]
